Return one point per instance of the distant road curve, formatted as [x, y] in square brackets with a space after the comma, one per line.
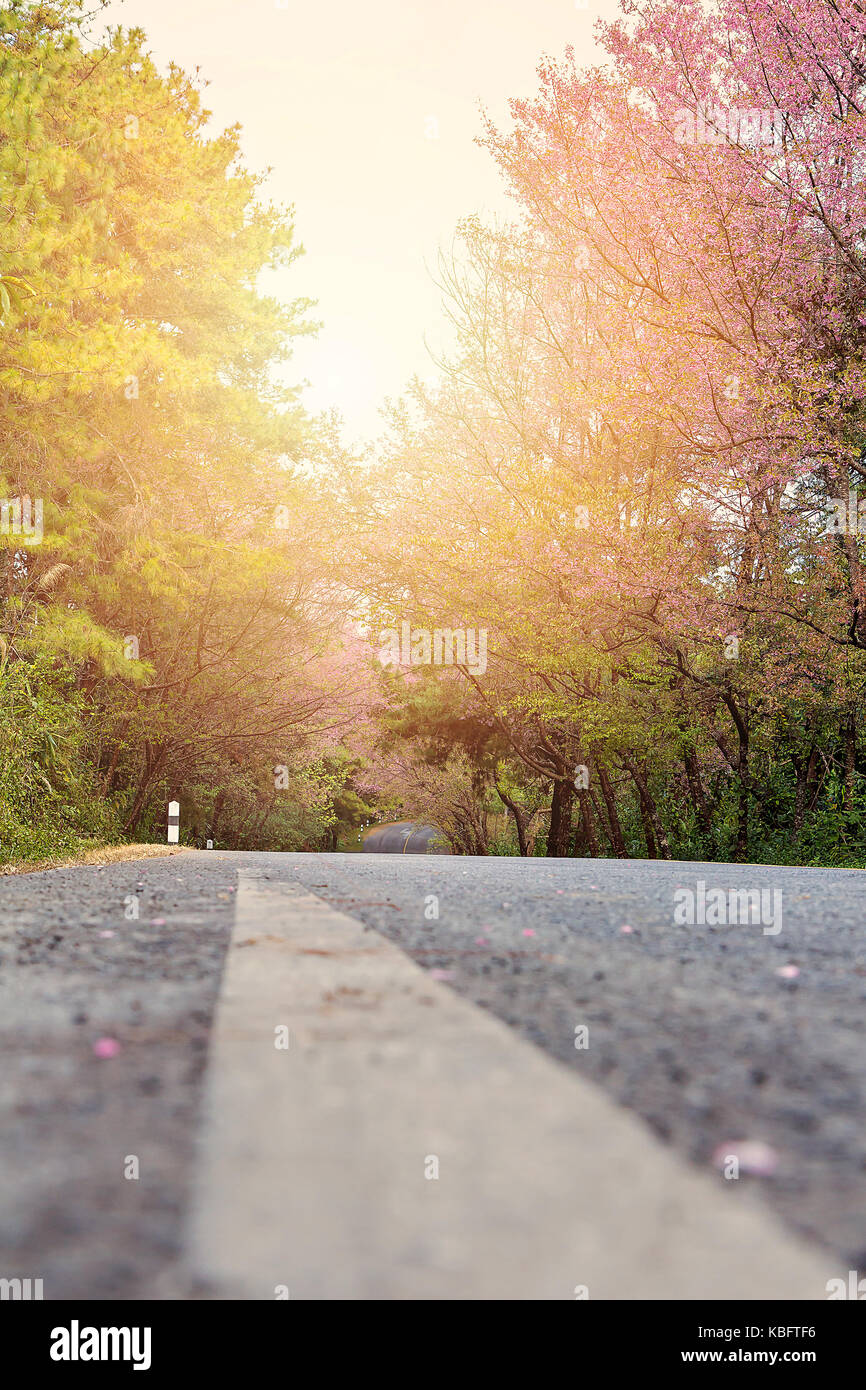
[405, 837]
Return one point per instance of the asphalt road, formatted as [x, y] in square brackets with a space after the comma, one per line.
[69, 1117]
[694, 1028]
[690, 1026]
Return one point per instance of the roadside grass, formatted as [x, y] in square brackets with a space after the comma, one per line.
[96, 854]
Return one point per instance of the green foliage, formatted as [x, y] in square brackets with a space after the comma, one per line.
[165, 612]
[50, 800]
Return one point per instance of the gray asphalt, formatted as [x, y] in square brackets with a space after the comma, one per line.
[68, 1118]
[689, 1026]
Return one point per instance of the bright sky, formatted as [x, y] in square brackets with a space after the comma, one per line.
[366, 114]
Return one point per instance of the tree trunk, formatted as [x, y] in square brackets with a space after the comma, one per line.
[850, 753]
[559, 833]
[617, 839]
[579, 844]
[699, 800]
[805, 771]
[741, 848]
[112, 766]
[651, 850]
[741, 724]
[649, 813]
[218, 805]
[587, 820]
[519, 818]
[153, 763]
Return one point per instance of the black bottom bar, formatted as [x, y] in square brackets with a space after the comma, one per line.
[225, 1338]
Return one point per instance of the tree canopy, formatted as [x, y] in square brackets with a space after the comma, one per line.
[617, 546]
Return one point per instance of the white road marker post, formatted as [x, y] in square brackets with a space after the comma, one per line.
[173, 822]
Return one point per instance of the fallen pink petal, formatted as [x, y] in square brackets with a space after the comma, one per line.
[106, 1047]
[753, 1156]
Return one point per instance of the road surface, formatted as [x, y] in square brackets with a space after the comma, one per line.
[395, 1076]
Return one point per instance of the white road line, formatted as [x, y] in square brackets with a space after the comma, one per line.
[312, 1168]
